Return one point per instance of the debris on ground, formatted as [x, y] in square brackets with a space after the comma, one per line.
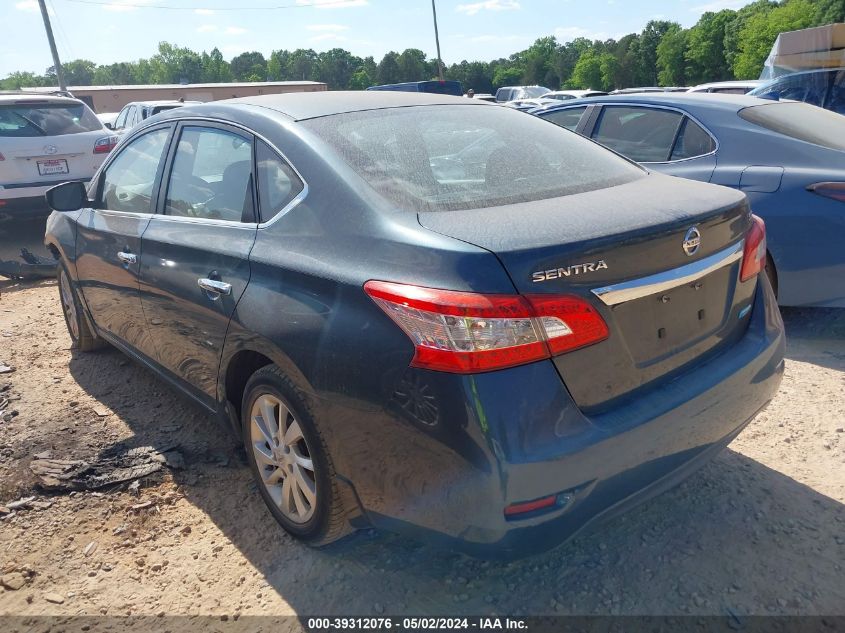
[58, 475]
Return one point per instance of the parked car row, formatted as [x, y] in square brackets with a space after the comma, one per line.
[427, 313]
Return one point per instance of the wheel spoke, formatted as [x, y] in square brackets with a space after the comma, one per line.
[258, 422]
[273, 478]
[304, 462]
[299, 500]
[284, 417]
[293, 434]
[305, 485]
[262, 454]
[286, 493]
[268, 414]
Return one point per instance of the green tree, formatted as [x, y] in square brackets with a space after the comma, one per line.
[670, 57]
[705, 48]
[388, 69]
[215, 69]
[335, 68]
[78, 72]
[173, 65]
[302, 65]
[649, 41]
[249, 67]
[18, 80]
[588, 71]
[761, 30]
[506, 76]
[413, 65]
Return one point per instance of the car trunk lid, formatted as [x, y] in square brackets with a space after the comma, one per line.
[618, 247]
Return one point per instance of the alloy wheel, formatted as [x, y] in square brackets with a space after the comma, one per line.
[283, 458]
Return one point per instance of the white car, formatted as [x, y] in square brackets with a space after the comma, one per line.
[728, 87]
[46, 140]
[136, 111]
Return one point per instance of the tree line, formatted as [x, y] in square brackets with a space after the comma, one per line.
[722, 45]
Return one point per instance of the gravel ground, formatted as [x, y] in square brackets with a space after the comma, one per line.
[760, 530]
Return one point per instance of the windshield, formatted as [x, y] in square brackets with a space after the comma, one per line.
[532, 92]
[432, 158]
[800, 121]
[21, 120]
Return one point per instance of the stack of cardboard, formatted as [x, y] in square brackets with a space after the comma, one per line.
[807, 49]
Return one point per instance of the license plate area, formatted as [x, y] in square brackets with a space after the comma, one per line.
[666, 323]
[52, 167]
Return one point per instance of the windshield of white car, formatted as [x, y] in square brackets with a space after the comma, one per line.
[27, 120]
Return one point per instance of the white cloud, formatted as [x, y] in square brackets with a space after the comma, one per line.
[488, 5]
[332, 4]
[328, 28]
[325, 36]
[569, 33]
[204, 11]
[235, 30]
[124, 5]
[206, 28]
[718, 5]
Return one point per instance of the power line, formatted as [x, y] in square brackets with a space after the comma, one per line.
[104, 3]
[62, 32]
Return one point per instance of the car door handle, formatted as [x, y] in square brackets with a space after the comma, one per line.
[217, 287]
[127, 258]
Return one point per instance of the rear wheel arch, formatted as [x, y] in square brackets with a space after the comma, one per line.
[772, 272]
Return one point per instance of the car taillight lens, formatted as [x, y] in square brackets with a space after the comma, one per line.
[2, 157]
[105, 145]
[467, 332]
[754, 256]
[834, 190]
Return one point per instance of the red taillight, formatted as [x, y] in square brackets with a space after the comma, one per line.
[834, 190]
[754, 256]
[467, 332]
[105, 145]
[2, 157]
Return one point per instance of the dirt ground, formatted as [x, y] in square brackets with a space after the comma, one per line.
[760, 530]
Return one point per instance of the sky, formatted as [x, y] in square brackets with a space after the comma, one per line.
[107, 31]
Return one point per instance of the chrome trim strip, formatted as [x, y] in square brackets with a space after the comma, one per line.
[659, 282]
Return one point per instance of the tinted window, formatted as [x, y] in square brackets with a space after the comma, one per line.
[729, 91]
[46, 120]
[278, 184]
[692, 141]
[128, 180]
[800, 121]
[465, 157]
[130, 116]
[642, 134]
[211, 176]
[566, 118]
[120, 121]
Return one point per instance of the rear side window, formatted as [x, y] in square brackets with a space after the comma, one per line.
[211, 176]
[645, 135]
[128, 181]
[434, 158]
[278, 184]
[692, 141]
[45, 119]
[566, 118]
[800, 121]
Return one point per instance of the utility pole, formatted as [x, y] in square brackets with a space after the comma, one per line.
[436, 39]
[56, 63]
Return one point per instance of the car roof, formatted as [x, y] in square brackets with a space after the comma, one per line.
[688, 100]
[30, 98]
[309, 105]
[160, 102]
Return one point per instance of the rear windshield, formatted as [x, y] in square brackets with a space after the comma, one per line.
[158, 109]
[434, 158]
[44, 119]
[800, 121]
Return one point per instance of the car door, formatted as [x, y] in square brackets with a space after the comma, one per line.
[108, 240]
[195, 251]
[661, 139]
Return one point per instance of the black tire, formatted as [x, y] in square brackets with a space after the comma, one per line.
[772, 274]
[329, 521]
[81, 336]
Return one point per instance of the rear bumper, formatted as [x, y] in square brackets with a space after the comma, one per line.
[516, 435]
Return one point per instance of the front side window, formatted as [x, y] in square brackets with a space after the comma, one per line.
[211, 176]
[278, 184]
[692, 141]
[645, 135]
[568, 118]
[46, 119]
[439, 158]
[120, 121]
[128, 181]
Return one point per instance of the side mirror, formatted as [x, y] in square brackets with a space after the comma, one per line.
[68, 196]
[109, 126]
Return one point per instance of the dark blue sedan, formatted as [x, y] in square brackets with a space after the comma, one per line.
[425, 313]
[788, 157]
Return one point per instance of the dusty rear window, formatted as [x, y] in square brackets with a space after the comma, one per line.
[433, 158]
[43, 119]
[800, 121]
